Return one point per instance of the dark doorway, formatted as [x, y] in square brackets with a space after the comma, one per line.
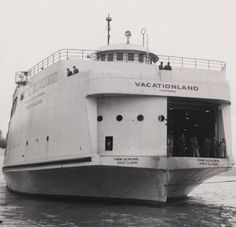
[188, 120]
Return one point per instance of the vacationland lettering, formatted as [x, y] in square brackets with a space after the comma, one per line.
[167, 86]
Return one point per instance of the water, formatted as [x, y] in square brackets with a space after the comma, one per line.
[211, 204]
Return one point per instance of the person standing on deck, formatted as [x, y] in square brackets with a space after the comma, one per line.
[170, 145]
[195, 147]
[214, 149]
[222, 149]
[75, 70]
[191, 147]
[206, 148]
[161, 67]
[69, 72]
[167, 67]
[181, 145]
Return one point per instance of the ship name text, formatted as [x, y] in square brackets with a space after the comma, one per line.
[167, 86]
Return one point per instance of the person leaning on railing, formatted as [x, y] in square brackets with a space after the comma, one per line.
[75, 70]
[161, 67]
[69, 72]
[167, 67]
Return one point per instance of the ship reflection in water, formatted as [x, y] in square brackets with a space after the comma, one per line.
[212, 204]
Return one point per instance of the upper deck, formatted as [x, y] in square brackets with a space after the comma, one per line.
[120, 53]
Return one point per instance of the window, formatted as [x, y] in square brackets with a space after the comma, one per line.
[130, 57]
[26, 93]
[31, 90]
[109, 143]
[110, 57]
[103, 57]
[52, 78]
[44, 82]
[119, 56]
[37, 86]
[22, 96]
[140, 57]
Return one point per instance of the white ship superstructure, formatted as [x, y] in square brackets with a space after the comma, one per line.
[120, 128]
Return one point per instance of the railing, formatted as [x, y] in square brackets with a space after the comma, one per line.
[184, 62]
[84, 54]
[63, 54]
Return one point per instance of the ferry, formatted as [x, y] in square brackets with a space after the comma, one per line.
[120, 122]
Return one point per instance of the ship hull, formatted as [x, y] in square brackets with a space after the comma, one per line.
[107, 182]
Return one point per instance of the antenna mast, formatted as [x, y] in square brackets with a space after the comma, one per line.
[143, 31]
[108, 19]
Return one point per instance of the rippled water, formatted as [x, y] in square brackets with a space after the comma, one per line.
[211, 204]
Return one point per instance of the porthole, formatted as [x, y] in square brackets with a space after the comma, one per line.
[27, 143]
[99, 118]
[161, 118]
[119, 118]
[140, 117]
[47, 138]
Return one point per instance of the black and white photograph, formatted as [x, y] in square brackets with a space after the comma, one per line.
[117, 113]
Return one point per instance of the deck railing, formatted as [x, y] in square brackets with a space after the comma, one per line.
[197, 63]
[85, 54]
[59, 55]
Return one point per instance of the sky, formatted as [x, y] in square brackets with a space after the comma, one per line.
[30, 30]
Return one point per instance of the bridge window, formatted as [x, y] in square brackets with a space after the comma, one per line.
[130, 56]
[31, 90]
[140, 57]
[103, 57]
[110, 57]
[119, 56]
